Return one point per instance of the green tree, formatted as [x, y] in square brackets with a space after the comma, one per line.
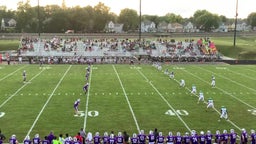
[129, 18]
[251, 19]
[205, 20]
[172, 18]
[101, 16]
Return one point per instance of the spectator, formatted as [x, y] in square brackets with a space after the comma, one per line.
[156, 133]
[126, 137]
[2, 137]
[83, 134]
[79, 137]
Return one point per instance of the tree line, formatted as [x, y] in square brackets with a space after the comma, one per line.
[58, 19]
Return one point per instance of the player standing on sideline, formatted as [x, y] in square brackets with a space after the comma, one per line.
[27, 140]
[193, 90]
[96, 138]
[76, 104]
[36, 139]
[182, 83]
[202, 138]
[213, 81]
[24, 75]
[13, 140]
[142, 137]
[160, 138]
[134, 139]
[170, 138]
[210, 103]
[201, 97]
[208, 137]
[151, 137]
[166, 71]
[217, 137]
[85, 88]
[186, 138]
[244, 136]
[105, 138]
[172, 75]
[253, 137]
[232, 136]
[224, 113]
[178, 138]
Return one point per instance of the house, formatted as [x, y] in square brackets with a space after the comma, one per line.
[175, 27]
[222, 28]
[162, 27]
[188, 27]
[148, 26]
[8, 23]
[114, 27]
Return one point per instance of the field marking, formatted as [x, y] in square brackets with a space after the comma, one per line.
[11, 73]
[251, 70]
[185, 124]
[242, 75]
[87, 99]
[25, 84]
[232, 123]
[127, 99]
[34, 123]
[229, 80]
[225, 92]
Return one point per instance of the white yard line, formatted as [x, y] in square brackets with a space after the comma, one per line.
[11, 73]
[34, 123]
[222, 90]
[229, 80]
[25, 84]
[87, 99]
[185, 124]
[242, 75]
[213, 108]
[127, 99]
[251, 70]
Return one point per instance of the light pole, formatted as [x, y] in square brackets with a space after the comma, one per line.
[235, 23]
[140, 23]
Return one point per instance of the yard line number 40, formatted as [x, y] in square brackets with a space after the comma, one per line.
[179, 112]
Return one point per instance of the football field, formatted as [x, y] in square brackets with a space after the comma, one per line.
[124, 98]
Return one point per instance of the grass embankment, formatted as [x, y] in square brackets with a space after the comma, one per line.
[9, 45]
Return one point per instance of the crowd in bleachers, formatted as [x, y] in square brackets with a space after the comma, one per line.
[153, 137]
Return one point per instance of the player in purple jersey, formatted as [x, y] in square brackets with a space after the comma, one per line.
[178, 138]
[36, 139]
[13, 140]
[68, 140]
[170, 138]
[45, 141]
[96, 138]
[224, 137]
[134, 139]
[27, 140]
[253, 137]
[85, 88]
[186, 138]
[75, 141]
[151, 137]
[232, 136]
[87, 75]
[202, 138]
[160, 138]
[142, 137]
[50, 137]
[244, 136]
[208, 137]
[76, 104]
[194, 139]
[1, 141]
[119, 138]
[105, 138]
[112, 139]
[217, 137]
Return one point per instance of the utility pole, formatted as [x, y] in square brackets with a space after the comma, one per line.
[140, 23]
[38, 17]
[235, 23]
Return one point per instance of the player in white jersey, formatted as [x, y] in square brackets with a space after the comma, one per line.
[193, 90]
[224, 113]
[210, 103]
[172, 75]
[24, 75]
[201, 97]
[213, 81]
[182, 83]
[166, 72]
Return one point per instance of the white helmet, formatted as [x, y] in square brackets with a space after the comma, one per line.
[70, 138]
[119, 134]
[97, 133]
[150, 132]
[186, 133]
[232, 130]
[111, 135]
[178, 133]
[208, 132]
[252, 131]
[243, 130]
[224, 131]
[37, 136]
[202, 132]
[27, 138]
[134, 135]
[160, 134]
[105, 133]
[13, 136]
[142, 132]
[170, 133]
[217, 132]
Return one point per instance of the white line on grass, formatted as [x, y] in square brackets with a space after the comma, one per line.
[213, 108]
[222, 90]
[165, 101]
[48, 101]
[242, 74]
[251, 70]
[87, 99]
[127, 99]
[25, 84]
[11, 73]
[230, 80]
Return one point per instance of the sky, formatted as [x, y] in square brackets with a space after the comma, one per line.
[185, 8]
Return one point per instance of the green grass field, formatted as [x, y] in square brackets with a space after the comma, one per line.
[124, 97]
